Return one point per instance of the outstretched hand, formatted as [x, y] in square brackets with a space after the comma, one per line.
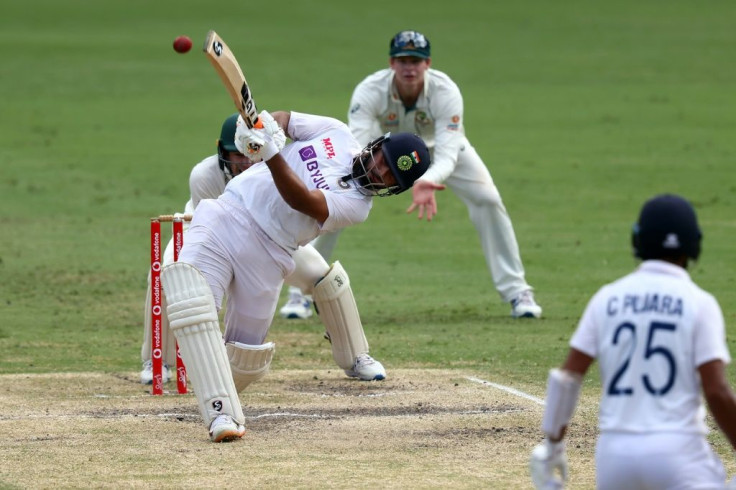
[423, 198]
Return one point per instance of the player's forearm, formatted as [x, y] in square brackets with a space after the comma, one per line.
[723, 407]
[295, 192]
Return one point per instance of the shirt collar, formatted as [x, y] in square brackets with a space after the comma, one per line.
[664, 267]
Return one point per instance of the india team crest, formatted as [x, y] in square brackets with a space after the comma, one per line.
[405, 162]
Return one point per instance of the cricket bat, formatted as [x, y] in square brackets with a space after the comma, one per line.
[227, 67]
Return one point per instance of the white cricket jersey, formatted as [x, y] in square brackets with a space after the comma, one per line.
[650, 330]
[437, 116]
[206, 181]
[321, 152]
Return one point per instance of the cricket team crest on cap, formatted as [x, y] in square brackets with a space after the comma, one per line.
[405, 162]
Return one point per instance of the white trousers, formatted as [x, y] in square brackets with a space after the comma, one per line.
[472, 183]
[657, 461]
[237, 257]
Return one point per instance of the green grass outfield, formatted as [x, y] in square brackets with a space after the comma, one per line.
[582, 110]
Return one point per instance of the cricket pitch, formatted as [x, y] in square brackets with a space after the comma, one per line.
[305, 429]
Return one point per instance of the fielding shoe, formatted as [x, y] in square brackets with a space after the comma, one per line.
[224, 428]
[366, 368]
[524, 306]
[147, 373]
[298, 306]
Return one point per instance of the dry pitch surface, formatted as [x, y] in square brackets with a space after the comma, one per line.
[305, 429]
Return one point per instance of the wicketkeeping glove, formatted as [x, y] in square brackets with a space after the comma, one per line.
[261, 143]
[547, 458]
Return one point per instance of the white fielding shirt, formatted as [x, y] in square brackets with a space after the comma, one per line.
[437, 116]
[650, 330]
[320, 154]
[206, 181]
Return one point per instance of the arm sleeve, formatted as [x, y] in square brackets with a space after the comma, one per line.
[364, 114]
[345, 210]
[710, 333]
[447, 109]
[585, 338]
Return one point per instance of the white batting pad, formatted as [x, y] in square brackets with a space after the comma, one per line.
[563, 390]
[336, 305]
[194, 321]
[249, 363]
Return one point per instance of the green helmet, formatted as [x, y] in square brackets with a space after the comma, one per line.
[226, 143]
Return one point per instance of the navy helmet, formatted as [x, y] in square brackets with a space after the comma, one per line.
[406, 155]
[667, 227]
[409, 43]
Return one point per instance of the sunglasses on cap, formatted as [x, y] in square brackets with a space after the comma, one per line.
[409, 43]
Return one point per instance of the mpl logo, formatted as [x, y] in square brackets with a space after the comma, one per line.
[329, 149]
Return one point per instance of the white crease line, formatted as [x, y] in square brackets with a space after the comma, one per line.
[507, 389]
[287, 414]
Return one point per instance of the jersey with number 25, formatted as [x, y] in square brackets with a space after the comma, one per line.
[649, 331]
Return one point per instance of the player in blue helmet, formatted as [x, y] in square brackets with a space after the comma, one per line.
[660, 342]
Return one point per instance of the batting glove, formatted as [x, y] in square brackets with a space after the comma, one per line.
[258, 144]
[272, 128]
[547, 458]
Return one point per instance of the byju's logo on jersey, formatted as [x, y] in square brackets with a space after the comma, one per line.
[309, 157]
[307, 153]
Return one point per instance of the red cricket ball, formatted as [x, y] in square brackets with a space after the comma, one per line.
[182, 44]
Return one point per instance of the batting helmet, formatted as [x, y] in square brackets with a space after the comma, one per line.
[406, 155]
[667, 227]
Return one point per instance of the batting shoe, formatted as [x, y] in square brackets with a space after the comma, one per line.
[298, 306]
[366, 368]
[524, 306]
[147, 373]
[224, 428]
